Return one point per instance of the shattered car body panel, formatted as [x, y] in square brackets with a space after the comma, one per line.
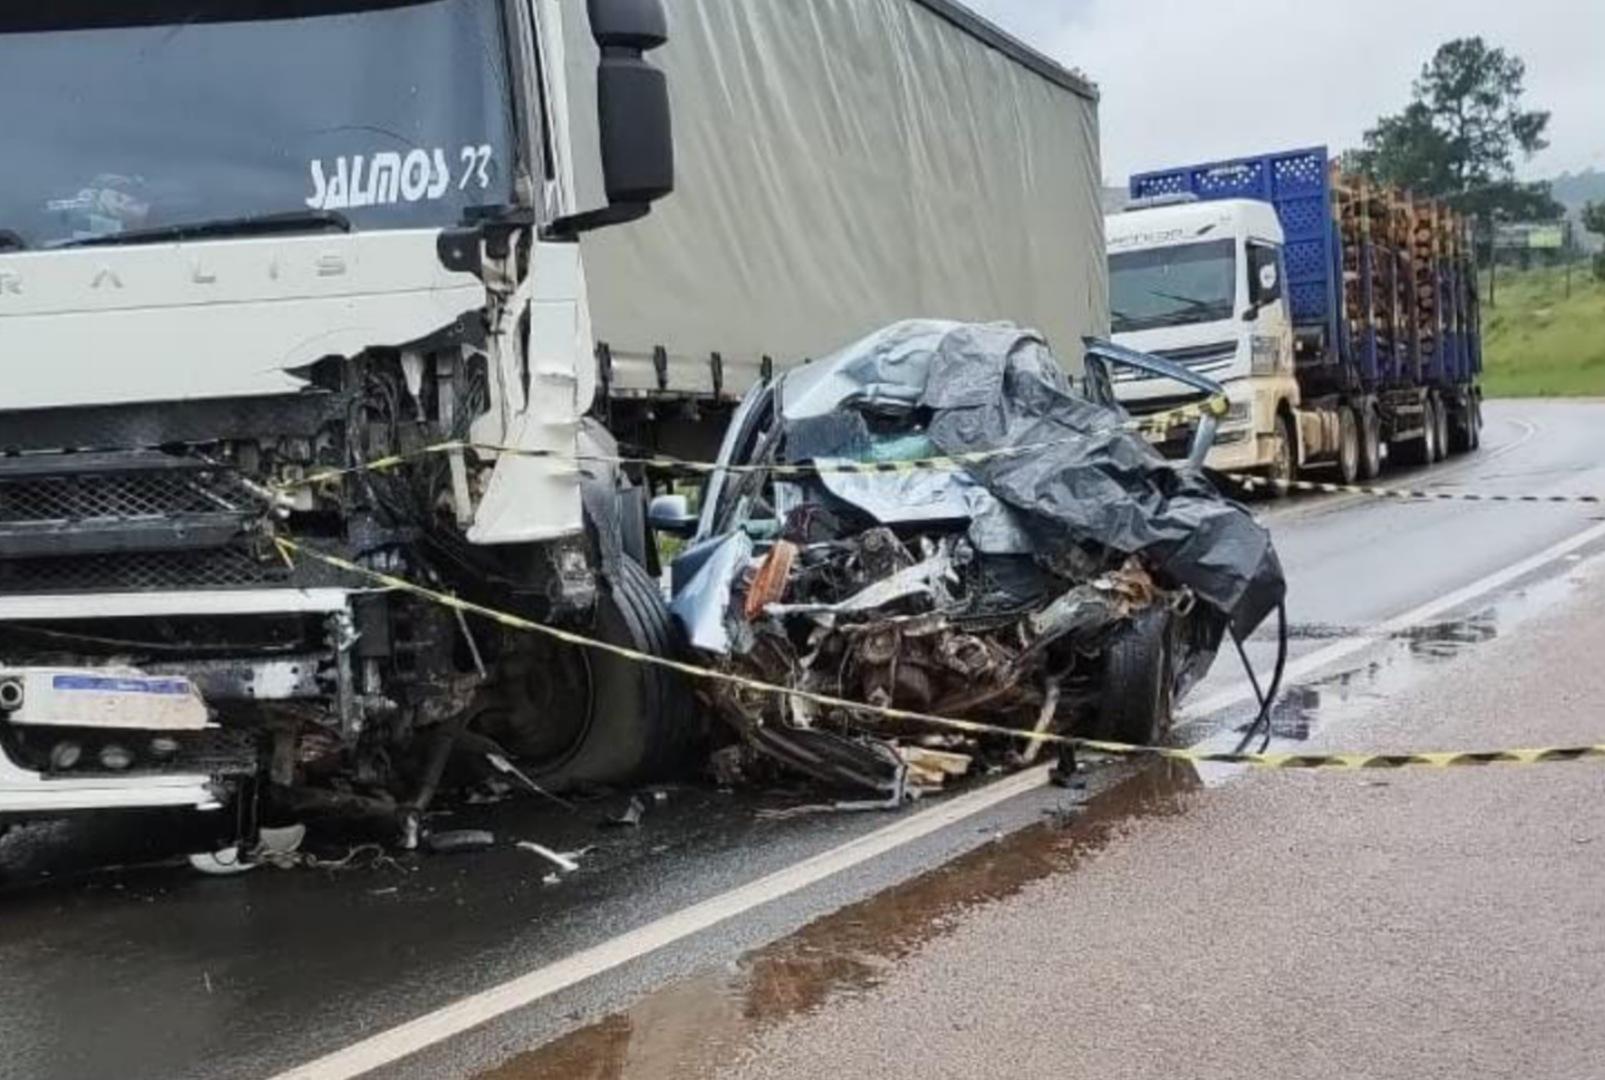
[989, 592]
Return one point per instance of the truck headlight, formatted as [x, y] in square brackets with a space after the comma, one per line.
[1237, 413]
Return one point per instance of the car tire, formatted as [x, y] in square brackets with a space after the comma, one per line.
[1349, 439]
[1136, 701]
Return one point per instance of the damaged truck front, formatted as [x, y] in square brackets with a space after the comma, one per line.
[244, 251]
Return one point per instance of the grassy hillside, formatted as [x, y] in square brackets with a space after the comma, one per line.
[1537, 343]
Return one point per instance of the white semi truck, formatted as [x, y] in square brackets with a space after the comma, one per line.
[1340, 315]
[243, 247]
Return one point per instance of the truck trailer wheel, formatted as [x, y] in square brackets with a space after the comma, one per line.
[577, 716]
[1349, 439]
[1370, 444]
[1135, 705]
[1462, 435]
[1440, 410]
[1423, 449]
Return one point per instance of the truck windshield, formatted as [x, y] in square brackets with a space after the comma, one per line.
[389, 115]
[1172, 286]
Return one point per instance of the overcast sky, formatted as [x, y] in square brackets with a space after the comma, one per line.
[1189, 80]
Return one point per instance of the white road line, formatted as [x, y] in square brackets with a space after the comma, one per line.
[465, 1014]
[1341, 650]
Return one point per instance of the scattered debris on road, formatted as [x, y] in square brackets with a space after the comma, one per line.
[566, 863]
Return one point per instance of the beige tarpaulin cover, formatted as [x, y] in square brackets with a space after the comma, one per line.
[843, 164]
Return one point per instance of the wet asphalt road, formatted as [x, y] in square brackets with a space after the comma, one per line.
[156, 972]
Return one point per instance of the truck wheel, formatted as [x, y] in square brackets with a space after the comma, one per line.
[1440, 410]
[1423, 449]
[1461, 427]
[1370, 445]
[578, 716]
[1349, 439]
[1474, 422]
[1135, 705]
[1284, 465]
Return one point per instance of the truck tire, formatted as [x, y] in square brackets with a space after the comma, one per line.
[1370, 444]
[1462, 425]
[1440, 410]
[1474, 417]
[583, 717]
[1349, 439]
[1283, 469]
[1135, 704]
[1421, 450]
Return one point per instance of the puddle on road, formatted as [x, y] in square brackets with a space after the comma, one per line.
[689, 1027]
[1403, 658]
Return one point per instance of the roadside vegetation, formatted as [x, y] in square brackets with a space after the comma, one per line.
[1537, 342]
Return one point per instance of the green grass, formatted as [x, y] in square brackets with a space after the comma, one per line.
[1539, 343]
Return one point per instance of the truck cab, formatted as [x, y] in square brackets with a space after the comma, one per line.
[1201, 284]
[245, 251]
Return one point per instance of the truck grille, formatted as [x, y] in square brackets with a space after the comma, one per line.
[230, 567]
[150, 494]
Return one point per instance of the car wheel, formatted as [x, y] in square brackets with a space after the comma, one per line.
[1135, 703]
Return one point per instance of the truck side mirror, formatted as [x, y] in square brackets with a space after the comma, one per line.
[1264, 279]
[632, 99]
[672, 514]
[611, 138]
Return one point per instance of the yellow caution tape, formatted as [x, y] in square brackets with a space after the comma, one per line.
[1159, 423]
[1439, 760]
[1406, 494]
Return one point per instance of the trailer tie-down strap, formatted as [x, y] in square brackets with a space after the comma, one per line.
[1259, 483]
[1157, 423]
[290, 549]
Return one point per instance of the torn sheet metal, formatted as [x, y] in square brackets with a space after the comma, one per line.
[988, 592]
[700, 607]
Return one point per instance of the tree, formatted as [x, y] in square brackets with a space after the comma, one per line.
[1594, 221]
[1461, 133]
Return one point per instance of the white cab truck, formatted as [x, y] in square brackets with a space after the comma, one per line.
[246, 251]
[1341, 316]
[1184, 285]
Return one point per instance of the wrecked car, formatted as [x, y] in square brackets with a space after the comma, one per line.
[937, 520]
